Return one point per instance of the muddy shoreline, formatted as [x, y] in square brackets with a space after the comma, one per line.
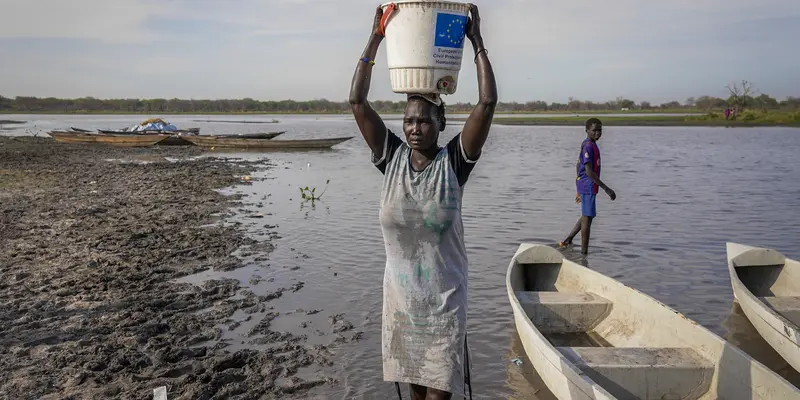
[89, 248]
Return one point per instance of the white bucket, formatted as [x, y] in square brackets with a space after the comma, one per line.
[425, 45]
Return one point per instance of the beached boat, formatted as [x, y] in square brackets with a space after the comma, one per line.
[131, 140]
[72, 137]
[193, 131]
[274, 121]
[180, 139]
[233, 142]
[116, 140]
[767, 286]
[590, 337]
[267, 135]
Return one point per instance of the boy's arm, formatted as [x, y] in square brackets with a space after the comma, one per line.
[596, 179]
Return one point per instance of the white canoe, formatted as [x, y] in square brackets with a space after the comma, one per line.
[591, 337]
[767, 286]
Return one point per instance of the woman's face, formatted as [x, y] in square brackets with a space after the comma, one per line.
[421, 124]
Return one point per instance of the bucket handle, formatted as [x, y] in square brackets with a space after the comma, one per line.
[385, 18]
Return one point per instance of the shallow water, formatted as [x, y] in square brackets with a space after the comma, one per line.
[682, 193]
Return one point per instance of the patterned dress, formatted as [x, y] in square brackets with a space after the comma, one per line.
[425, 281]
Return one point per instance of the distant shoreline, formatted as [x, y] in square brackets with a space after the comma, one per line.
[633, 118]
[769, 120]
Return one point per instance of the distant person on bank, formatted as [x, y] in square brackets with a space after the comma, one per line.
[588, 184]
[425, 278]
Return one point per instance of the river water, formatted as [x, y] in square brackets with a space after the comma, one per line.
[682, 193]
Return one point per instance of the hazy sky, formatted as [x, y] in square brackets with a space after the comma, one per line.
[307, 49]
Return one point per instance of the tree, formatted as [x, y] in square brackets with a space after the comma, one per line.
[671, 105]
[740, 96]
[765, 102]
[625, 103]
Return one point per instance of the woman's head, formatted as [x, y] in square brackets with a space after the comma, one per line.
[423, 120]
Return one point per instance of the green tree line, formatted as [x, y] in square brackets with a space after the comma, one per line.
[24, 104]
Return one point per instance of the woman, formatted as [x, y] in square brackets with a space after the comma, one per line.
[425, 281]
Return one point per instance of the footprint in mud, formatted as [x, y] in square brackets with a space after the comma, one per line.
[255, 279]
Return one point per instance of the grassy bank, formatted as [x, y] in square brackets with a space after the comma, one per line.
[748, 119]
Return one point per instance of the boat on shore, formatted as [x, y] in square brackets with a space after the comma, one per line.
[180, 140]
[590, 337]
[263, 135]
[222, 121]
[72, 136]
[250, 143]
[152, 126]
[767, 286]
[115, 140]
[77, 135]
[194, 131]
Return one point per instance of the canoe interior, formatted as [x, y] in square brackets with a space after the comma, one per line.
[628, 344]
[775, 285]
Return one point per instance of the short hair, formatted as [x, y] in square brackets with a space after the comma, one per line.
[591, 121]
[440, 111]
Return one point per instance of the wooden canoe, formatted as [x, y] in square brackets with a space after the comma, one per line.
[767, 286]
[115, 140]
[148, 132]
[590, 337]
[226, 142]
[72, 137]
[266, 135]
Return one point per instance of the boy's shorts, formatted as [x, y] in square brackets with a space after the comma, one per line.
[589, 205]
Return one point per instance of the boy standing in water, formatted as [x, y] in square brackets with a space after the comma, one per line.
[588, 182]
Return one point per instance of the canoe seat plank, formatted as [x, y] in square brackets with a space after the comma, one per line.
[787, 307]
[644, 373]
[564, 312]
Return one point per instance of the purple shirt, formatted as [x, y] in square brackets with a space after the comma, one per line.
[590, 154]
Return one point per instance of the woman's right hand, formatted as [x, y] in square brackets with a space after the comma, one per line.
[376, 25]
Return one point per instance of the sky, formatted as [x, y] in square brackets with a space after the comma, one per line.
[597, 50]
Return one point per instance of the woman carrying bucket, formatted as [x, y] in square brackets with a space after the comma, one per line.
[425, 279]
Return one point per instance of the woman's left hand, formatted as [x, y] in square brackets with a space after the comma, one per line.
[473, 23]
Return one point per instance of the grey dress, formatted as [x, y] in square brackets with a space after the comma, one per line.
[425, 281]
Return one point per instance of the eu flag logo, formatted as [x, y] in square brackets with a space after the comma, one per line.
[450, 30]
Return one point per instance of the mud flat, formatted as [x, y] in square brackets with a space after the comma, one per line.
[92, 239]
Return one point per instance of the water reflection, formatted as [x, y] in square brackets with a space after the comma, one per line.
[742, 334]
[523, 380]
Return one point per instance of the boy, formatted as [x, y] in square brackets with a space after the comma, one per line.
[588, 182]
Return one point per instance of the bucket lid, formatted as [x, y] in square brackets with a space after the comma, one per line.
[423, 1]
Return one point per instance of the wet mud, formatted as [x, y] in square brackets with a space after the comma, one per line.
[92, 239]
